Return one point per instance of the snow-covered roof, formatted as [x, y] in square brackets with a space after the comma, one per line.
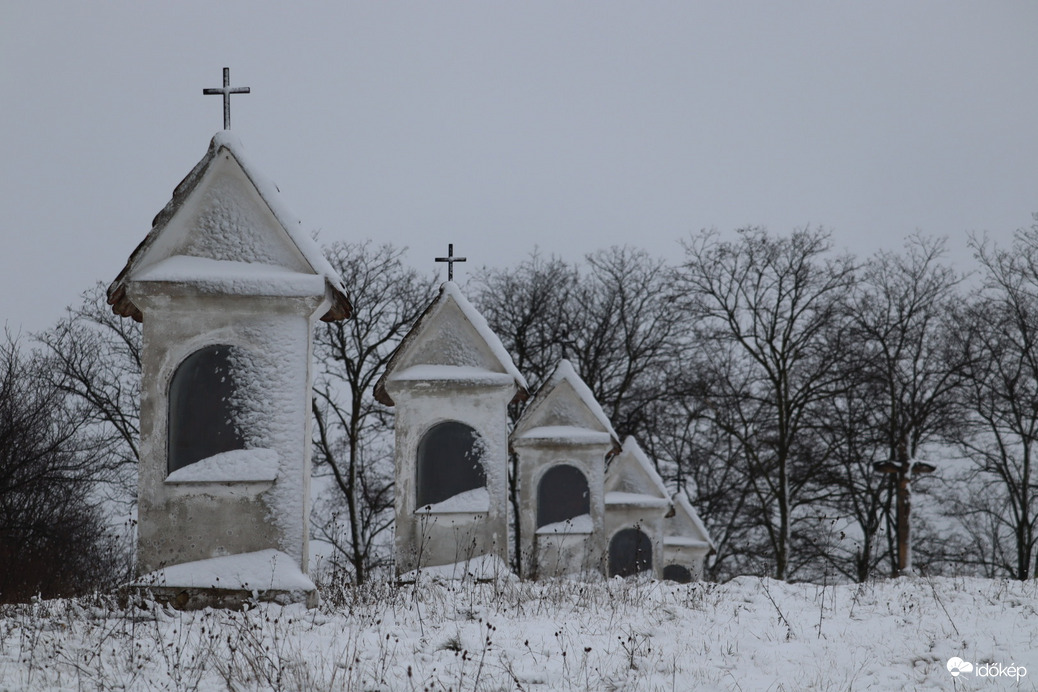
[682, 542]
[473, 501]
[632, 471]
[582, 524]
[477, 568]
[452, 373]
[224, 276]
[565, 410]
[450, 341]
[190, 192]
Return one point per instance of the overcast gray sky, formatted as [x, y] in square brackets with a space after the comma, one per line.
[500, 127]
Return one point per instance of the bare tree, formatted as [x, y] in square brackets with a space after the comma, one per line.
[900, 329]
[862, 497]
[353, 438]
[530, 308]
[613, 319]
[768, 309]
[53, 539]
[624, 334]
[706, 464]
[94, 356]
[1001, 344]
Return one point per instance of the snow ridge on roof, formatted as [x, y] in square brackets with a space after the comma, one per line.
[449, 291]
[269, 193]
[260, 570]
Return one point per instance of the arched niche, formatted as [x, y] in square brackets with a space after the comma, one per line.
[677, 573]
[562, 494]
[630, 553]
[450, 462]
[201, 419]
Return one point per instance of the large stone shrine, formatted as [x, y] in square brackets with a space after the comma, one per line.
[228, 287]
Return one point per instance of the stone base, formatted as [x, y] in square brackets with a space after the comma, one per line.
[231, 581]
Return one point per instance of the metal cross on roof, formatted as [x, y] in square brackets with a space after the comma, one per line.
[450, 259]
[226, 92]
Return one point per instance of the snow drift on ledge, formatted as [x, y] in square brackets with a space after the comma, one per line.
[264, 569]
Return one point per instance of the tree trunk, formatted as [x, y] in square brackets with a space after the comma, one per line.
[782, 548]
[513, 497]
[357, 551]
[904, 512]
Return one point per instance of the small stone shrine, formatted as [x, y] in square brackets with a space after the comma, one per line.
[451, 381]
[686, 543]
[562, 441]
[636, 503]
[228, 286]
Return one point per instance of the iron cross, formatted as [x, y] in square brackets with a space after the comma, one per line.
[226, 92]
[450, 259]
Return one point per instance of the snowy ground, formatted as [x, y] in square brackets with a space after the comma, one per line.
[748, 634]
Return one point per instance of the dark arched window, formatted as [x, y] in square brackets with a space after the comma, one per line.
[678, 573]
[450, 461]
[201, 419]
[630, 553]
[562, 494]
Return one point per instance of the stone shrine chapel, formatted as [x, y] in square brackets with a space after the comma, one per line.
[228, 287]
[451, 381]
[562, 440]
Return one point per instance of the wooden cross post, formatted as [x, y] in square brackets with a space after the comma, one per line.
[226, 90]
[450, 259]
[905, 469]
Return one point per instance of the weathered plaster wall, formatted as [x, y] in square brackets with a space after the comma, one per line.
[648, 519]
[692, 557]
[186, 522]
[429, 539]
[566, 553]
[552, 555]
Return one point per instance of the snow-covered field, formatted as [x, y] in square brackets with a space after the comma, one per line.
[748, 634]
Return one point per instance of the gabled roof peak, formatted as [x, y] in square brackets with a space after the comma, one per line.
[684, 509]
[540, 413]
[225, 141]
[633, 451]
[495, 352]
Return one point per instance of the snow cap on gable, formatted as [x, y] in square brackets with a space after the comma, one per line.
[632, 472]
[685, 527]
[227, 227]
[450, 341]
[564, 409]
